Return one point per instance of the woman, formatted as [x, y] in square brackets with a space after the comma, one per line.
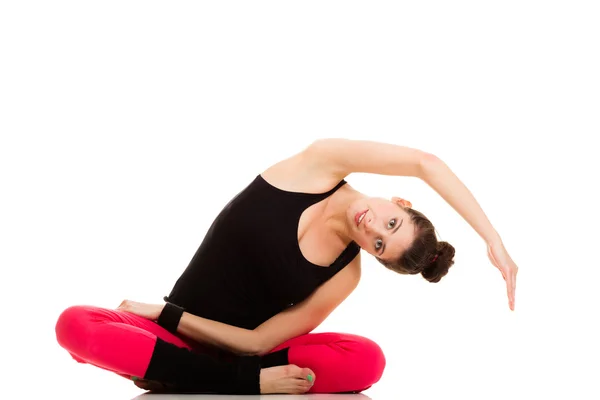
[279, 258]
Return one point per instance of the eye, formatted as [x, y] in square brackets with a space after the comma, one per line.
[378, 244]
[392, 223]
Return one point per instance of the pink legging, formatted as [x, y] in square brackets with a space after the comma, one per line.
[123, 343]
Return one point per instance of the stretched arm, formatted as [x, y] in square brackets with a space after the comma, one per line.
[441, 179]
[336, 158]
[294, 321]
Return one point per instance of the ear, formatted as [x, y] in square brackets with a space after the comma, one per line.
[402, 202]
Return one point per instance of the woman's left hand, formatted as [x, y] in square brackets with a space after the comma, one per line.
[148, 311]
[498, 255]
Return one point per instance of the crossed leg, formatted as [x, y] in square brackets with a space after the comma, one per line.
[342, 362]
[124, 343]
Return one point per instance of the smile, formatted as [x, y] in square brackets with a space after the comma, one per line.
[360, 216]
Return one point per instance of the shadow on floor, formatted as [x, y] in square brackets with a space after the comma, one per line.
[179, 396]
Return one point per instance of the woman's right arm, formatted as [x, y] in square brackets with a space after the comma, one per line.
[305, 316]
[294, 321]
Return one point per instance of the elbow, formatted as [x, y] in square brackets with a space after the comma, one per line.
[428, 162]
[264, 345]
[258, 348]
[248, 351]
[250, 346]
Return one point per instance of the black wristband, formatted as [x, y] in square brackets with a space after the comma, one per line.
[170, 316]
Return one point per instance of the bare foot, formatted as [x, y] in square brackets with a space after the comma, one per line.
[287, 379]
[153, 386]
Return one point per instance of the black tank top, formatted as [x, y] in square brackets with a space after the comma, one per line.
[249, 267]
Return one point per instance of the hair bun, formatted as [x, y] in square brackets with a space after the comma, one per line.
[442, 262]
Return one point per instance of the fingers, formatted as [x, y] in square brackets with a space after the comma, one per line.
[511, 300]
[514, 288]
[511, 288]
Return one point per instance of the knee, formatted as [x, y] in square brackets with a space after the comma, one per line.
[71, 326]
[372, 360]
[365, 360]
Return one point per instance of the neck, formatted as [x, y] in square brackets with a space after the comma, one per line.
[335, 214]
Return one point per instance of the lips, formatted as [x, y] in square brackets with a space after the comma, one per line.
[357, 217]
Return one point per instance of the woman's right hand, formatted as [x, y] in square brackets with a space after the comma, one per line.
[500, 258]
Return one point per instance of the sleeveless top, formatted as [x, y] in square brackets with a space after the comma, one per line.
[249, 267]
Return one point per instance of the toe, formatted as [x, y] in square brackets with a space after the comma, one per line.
[309, 375]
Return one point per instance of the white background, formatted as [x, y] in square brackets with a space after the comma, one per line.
[126, 126]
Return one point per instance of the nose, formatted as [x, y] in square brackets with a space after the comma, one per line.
[372, 227]
[367, 224]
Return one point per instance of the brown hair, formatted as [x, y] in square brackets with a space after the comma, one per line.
[420, 257]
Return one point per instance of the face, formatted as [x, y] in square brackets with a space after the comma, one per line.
[381, 227]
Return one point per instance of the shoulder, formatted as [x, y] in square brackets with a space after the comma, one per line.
[302, 172]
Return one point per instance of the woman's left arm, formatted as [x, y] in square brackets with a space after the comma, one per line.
[337, 158]
[441, 179]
